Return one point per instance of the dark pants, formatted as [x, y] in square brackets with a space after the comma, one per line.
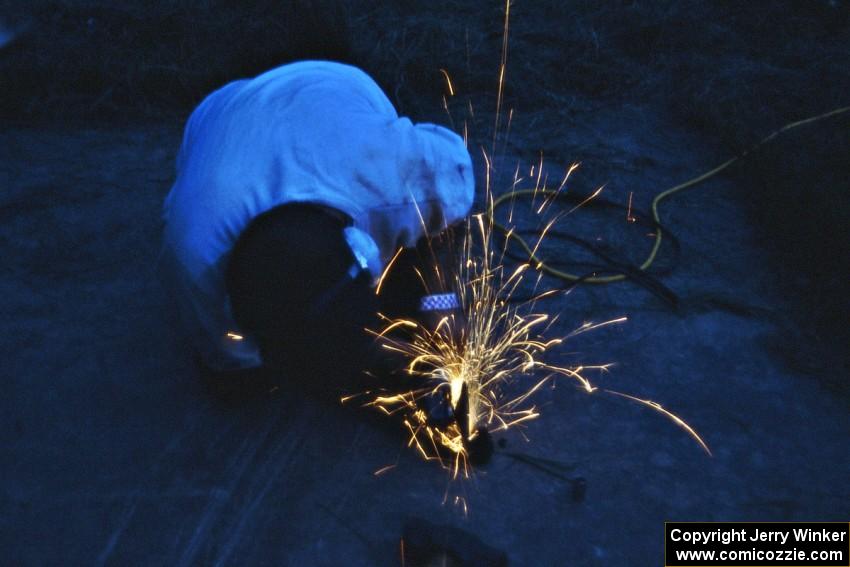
[289, 290]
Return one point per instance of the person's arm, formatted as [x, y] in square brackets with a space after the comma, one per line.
[422, 284]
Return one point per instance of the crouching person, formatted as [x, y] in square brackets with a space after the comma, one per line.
[294, 189]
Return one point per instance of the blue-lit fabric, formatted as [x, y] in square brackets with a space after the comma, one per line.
[315, 132]
[366, 253]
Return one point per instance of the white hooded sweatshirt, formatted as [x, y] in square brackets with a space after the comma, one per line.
[313, 132]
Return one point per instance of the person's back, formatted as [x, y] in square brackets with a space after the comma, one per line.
[318, 134]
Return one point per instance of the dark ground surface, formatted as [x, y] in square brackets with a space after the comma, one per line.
[113, 452]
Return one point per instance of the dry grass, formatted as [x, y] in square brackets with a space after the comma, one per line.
[713, 63]
[99, 58]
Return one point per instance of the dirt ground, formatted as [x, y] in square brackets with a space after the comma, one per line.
[114, 453]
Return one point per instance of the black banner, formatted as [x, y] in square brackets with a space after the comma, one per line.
[757, 544]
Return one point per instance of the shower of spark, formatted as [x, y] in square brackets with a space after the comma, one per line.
[478, 360]
[490, 360]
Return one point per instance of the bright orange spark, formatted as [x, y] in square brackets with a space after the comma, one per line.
[448, 82]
